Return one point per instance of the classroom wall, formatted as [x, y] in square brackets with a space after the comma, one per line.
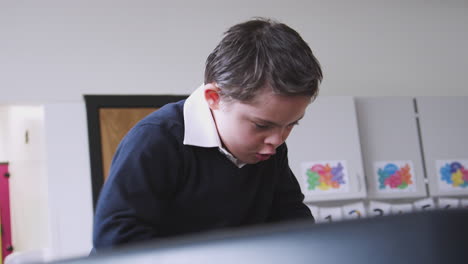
[52, 52]
[69, 180]
[3, 130]
[24, 150]
[55, 50]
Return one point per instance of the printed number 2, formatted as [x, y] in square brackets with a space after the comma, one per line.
[379, 212]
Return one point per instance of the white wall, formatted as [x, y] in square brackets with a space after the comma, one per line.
[69, 180]
[54, 50]
[28, 181]
[3, 133]
[50, 183]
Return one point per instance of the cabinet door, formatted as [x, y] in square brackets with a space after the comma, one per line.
[390, 147]
[327, 139]
[444, 133]
[5, 244]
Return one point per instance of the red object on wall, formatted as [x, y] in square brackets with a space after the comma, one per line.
[7, 247]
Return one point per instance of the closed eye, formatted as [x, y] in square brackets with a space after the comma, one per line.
[293, 124]
[262, 127]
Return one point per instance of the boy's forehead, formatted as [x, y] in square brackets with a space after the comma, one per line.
[261, 95]
[273, 108]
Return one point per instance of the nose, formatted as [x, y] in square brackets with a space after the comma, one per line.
[277, 137]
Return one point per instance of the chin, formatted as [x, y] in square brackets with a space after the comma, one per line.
[248, 161]
[253, 161]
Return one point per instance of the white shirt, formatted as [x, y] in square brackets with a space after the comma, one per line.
[200, 127]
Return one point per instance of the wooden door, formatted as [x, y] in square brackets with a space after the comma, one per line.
[115, 123]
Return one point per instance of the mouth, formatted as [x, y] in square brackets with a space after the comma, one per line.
[263, 157]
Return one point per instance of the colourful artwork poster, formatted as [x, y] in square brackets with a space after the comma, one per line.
[395, 176]
[452, 174]
[323, 177]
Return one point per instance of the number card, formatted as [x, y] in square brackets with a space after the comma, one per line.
[354, 211]
[425, 204]
[464, 203]
[330, 214]
[379, 209]
[402, 208]
[448, 203]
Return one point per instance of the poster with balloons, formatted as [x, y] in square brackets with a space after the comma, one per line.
[325, 177]
[452, 175]
[394, 176]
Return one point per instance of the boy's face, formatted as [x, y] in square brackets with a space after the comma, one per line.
[252, 131]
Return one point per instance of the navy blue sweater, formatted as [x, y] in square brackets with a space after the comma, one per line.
[159, 187]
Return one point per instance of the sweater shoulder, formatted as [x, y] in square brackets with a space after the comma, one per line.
[157, 133]
[167, 121]
[168, 115]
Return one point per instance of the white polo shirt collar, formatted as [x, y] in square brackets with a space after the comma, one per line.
[200, 127]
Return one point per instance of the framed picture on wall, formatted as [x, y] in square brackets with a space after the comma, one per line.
[110, 117]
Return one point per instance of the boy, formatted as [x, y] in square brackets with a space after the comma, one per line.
[217, 159]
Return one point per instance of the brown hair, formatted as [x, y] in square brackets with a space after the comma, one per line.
[263, 53]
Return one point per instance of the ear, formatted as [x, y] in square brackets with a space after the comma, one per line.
[212, 96]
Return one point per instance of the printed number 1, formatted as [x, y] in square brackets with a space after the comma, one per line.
[329, 218]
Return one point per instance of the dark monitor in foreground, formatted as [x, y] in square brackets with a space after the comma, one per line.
[433, 237]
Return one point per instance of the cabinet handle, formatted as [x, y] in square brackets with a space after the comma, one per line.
[9, 248]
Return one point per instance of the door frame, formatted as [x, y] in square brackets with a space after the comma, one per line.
[96, 102]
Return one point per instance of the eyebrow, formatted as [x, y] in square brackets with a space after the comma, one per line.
[271, 123]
